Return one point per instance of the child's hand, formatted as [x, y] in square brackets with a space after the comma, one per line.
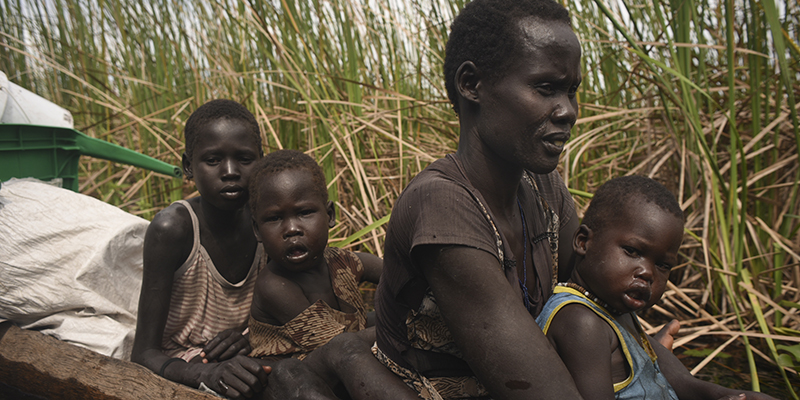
[236, 378]
[748, 396]
[665, 335]
[228, 344]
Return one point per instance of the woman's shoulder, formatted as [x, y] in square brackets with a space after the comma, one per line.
[442, 177]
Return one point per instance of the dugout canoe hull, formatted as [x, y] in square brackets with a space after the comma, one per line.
[33, 365]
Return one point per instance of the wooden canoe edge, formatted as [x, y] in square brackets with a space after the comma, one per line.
[44, 366]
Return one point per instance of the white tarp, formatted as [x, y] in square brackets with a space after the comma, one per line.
[70, 266]
[21, 106]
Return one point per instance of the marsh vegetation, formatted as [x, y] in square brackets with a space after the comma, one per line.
[700, 95]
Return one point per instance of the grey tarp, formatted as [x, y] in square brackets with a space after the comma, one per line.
[70, 266]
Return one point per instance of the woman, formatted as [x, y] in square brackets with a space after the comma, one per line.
[478, 238]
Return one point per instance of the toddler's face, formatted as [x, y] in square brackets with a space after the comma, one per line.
[628, 262]
[292, 219]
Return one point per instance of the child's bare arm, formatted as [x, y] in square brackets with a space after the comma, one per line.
[276, 300]
[666, 336]
[687, 387]
[373, 266]
[167, 244]
[585, 343]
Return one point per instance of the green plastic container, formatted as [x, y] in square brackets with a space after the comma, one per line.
[46, 152]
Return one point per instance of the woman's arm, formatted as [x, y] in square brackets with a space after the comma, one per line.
[501, 342]
[347, 358]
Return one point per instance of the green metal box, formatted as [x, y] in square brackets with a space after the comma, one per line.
[46, 152]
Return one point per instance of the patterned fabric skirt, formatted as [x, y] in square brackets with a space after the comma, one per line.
[439, 388]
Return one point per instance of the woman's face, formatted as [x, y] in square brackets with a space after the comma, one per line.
[526, 114]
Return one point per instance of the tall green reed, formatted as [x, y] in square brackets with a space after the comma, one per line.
[686, 67]
[697, 94]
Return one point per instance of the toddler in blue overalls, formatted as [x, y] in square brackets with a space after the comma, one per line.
[625, 249]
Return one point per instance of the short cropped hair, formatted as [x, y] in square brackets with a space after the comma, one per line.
[487, 33]
[620, 192]
[283, 160]
[219, 109]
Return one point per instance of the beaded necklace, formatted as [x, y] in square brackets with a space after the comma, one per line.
[524, 284]
[589, 295]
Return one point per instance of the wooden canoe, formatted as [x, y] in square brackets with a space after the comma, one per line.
[36, 366]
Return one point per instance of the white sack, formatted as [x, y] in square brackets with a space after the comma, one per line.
[70, 266]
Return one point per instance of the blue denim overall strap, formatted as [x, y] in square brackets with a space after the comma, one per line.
[646, 381]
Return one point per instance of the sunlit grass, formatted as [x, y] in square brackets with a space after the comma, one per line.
[360, 87]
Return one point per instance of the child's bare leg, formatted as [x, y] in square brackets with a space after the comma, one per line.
[348, 359]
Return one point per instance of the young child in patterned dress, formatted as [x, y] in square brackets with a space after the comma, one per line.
[306, 302]
[308, 292]
[625, 248]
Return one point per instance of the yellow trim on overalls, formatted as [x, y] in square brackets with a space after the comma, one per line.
[559, 289]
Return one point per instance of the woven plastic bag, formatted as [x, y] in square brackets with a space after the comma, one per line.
[70, 266]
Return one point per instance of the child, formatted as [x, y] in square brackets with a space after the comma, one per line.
[201, 260]
[625, 248]
[308, 293]
[306, 303]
